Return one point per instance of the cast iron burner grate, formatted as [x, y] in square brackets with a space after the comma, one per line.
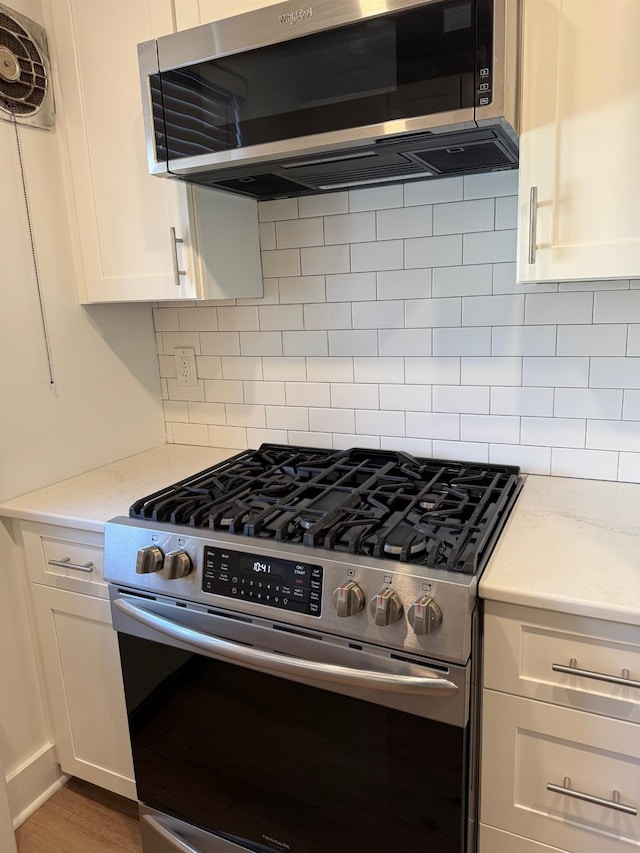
[383, 504]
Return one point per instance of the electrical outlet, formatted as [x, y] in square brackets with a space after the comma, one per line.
[186, 365]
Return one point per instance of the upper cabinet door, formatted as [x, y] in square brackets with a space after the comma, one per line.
[137, 235]
[190, 13]
[579, 209]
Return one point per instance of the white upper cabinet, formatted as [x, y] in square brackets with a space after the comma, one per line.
[580, 126]
[126, 219]
[190, 13]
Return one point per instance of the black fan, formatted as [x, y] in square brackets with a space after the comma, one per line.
[25, 91]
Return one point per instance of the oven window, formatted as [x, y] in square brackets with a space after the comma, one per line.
[411, 63]
[273, 764]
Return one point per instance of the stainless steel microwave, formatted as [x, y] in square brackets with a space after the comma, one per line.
[293, 99]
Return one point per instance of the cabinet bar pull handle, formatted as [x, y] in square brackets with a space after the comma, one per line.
[533, 223]
[177, 272]
[572, 669]
[66, 563]
[614, 803]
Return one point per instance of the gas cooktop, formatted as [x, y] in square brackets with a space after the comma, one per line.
[436, 513]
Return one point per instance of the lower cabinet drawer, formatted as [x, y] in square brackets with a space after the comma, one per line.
[528, 746]
[65, 558]
[495, 841]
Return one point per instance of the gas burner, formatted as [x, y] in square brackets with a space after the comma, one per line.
[388, 505]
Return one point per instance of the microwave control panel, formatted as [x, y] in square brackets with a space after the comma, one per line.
[285, 584]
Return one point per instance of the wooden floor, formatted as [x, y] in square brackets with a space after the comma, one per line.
[81, 818]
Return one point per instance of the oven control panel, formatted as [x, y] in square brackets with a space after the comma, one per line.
[286, 584]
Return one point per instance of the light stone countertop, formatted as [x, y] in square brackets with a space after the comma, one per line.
[569, 545]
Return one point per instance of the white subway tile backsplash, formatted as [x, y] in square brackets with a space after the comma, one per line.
[472, 280]
[461, 217]
[324, 259]
[281, 317]
[371, 257]
[207, 413]
[292, 369]
[616, 306]
[332, 420]
[351, 287]
[350, 228]
[430, 425]
[380, 422]
[425, 313]
[330, 369]
[522, 401]
[296, 233]
[305, 343]
[378, 370]
[261, 343]
[287, 417]
[263, 392]
[445, 251]
[615, 373]
[328, 315]
[378, 315]
[403, 284]
[613, 435]
[495, 370]
[524, 340]
[492, 310]
[433, 371]
[308, 394]
[353, 343]
[409, 342]
[553, 432]
[404, 222]
[300, 289]
[533, 460]
[588, 403]
[491, 184]
[323, 205]
[376, 198]
[281, 262]
[281, 208]
[391, 318]
[469, 341]
[591, 464]
[433, 192]
[402, 398]
[460, 398]
[355, 396]
[556, 372]
[558, 308]
[490, 428]
[631, 406]
[489, 247]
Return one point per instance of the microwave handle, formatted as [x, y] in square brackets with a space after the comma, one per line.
[276, 664]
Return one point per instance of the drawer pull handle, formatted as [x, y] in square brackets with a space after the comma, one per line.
[572, 669]
[614, 803]
[177, 272]
[533, 224]
[66, 563]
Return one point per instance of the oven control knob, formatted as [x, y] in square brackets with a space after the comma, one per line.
[177, 564]
[385, 607]
[348, 599]
[424, 615]
[149, 560]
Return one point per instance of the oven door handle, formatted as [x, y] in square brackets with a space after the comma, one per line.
[178, 844]
[276, 664]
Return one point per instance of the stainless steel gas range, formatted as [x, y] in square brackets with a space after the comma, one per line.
[299, 640]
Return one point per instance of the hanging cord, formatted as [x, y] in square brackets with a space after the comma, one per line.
[36, 271]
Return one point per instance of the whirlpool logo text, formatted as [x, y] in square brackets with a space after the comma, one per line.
[292, 18]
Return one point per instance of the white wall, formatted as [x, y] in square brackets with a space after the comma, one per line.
[105, 403]
[391, 318]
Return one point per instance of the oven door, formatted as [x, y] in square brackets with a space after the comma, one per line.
[248, 736]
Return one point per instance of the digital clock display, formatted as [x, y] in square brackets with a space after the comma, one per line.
[285, 584]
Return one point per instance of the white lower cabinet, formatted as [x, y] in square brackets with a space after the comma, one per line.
[560, 761]
[79, 654]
